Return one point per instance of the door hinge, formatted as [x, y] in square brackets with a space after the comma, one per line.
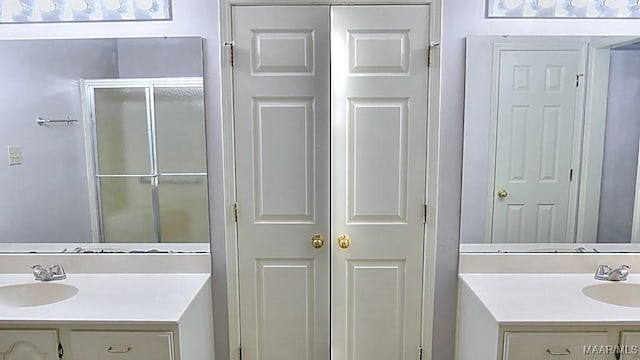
[420, 353]
[425, 213]
[578, 79]
[60, 351]
[571, 175]
[235, 211]
[240, 352]
[229, 45]
[430, 46]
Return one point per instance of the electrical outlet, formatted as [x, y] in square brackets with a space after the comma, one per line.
[15, 155]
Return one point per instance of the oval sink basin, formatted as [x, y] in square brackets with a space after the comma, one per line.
[615, 293]
[35, 294]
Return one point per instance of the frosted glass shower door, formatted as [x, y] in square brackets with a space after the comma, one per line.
[149, 160]
[123, 165]
[182, 167]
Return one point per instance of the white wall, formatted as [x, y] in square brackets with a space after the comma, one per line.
[190, 18]
[161, 57]
[620, 148]
[463, 18]
[49, 189]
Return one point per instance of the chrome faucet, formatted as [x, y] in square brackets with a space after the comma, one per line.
[53, 272]
[605, 272]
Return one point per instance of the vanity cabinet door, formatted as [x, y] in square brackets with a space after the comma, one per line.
[629, 345]
[121, 345]
[555, 345]
[29, 344]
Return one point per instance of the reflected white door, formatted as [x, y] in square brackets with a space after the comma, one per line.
[379, 128]
[378, 147]
[537, 94]
[281, 75]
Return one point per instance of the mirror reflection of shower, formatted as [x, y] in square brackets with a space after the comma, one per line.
[148, 155]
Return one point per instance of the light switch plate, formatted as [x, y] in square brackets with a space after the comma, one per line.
[15, 155]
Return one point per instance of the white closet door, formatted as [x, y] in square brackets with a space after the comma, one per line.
[379, 125]
[281, 75]
[534, 145]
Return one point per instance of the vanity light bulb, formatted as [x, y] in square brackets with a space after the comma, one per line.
[546, 3]
[511, 4]
[144, 4]
[45, 5]
[13, 7]
[615, 4]
[579, 3]
[112, 4]
[78, 5]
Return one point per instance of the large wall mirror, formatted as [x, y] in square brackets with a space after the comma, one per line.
[105, 144]
[551, 144]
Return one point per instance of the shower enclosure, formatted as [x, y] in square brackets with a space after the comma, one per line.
[146, 160]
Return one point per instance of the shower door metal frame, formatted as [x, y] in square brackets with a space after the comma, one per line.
[91, 144]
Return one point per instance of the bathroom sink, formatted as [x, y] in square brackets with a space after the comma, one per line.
[615, 293]
[35, 294]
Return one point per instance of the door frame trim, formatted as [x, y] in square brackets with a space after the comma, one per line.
[594, 128]
[229, 170]
[581, 48]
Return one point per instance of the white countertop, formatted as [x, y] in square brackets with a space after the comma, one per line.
[121, 298]
[546, 299]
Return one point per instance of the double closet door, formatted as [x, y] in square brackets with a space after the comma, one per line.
[330, 116]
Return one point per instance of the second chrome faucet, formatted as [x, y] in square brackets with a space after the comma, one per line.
[605, 272]
[53, 272]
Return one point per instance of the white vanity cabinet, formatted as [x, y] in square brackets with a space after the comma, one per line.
[550, 345]
[102, 341]
[630, 345]
[111, 317]
[542, 316]
[29, 344]
[121, 345]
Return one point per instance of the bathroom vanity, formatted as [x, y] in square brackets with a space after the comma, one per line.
[157, 308]
[540, 312]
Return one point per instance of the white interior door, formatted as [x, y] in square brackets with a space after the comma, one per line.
[536, 115]
[378, 146]
[281, 100]
[379, 126]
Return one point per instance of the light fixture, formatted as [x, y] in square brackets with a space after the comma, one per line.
[564, 8]
[578, 3]
[546, 3]
[26, 11]
[45, 5]
[511, 4]
[78, 5]
[144, 4]
[13, 7]
[112, 4]
[615, 4]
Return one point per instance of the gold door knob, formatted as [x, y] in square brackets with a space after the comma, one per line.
[317, 241]
[502, 193]
[344, 241]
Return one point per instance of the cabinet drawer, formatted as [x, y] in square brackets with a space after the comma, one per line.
[27, 344]
[554, 345]
[121, 345]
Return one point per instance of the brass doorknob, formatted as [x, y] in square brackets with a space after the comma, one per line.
[344, 241]
[502, 193]
[317, 241]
